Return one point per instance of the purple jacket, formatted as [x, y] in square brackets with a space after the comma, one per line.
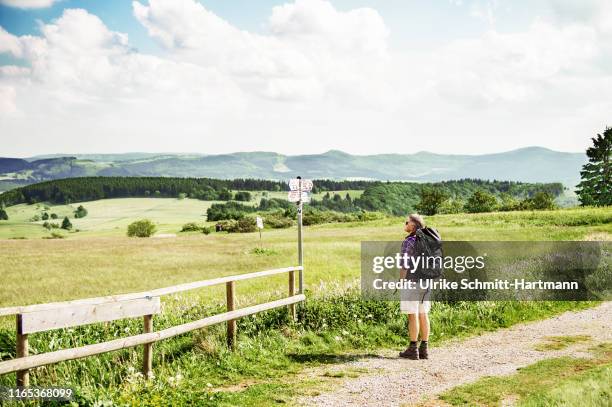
[409, 248]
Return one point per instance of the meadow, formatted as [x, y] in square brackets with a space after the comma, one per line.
[100, 259]
[335, 324]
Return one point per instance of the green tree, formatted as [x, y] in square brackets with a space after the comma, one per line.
[509, 203]
[541, 200]
[430, 201]
[481, 201]
[141, 228]
[45, 216]
[451, 205]
[225, 195]
[54, 216]
[596, 185]
[3, 214]
[244, 196]
[81, 212]
[66, 223]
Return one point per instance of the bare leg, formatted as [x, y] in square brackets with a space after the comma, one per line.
[413, 327]
[424, 324]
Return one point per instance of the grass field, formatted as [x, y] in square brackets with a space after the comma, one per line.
[562, 381]
[100, 260]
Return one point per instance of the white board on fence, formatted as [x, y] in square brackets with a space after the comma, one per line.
[259, 222]
[294, 196]
[83, 314]
[294, 184]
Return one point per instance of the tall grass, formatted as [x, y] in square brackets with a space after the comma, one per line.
[271, 349]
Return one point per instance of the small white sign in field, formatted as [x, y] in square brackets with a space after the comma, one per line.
[294, 184]
[294, 196]
[259, 222]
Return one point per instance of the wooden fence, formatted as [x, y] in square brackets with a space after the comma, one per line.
[44, 317]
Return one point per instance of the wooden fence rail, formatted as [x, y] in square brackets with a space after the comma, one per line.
[44, 317]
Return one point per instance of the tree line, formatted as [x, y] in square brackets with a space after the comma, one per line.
[399, 198]
[68, 190]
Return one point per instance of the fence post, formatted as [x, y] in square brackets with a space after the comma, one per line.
[147, 355]
[23, 376]
[231, 324]
[291, 294]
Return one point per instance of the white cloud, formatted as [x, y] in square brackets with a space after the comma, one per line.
[325, 77]
[28, 4]
[10, 44]
[312, 50]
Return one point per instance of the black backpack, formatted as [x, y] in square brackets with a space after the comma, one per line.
[429, 244]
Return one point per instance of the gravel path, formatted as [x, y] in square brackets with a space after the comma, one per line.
[394, 381]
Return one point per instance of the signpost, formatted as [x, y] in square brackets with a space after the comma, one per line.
[298, 193]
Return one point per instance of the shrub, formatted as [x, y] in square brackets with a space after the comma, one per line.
[182, 195]
[315, 217]
[224, 195]
[245, 225]
[206, 230]
[276, 221]
[225, 225]
[191, 227]
[450, 206]
[367, 215]
[262, 251]
[141, 228]
[244, 196]
[66, 225]
[509, 203]
[54, 216]
[3, 214]
[81, 212]
[481, 201]
[229, 210]
[541, 200]
[45, 216]
[35, 218]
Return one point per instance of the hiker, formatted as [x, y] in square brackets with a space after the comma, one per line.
[414, 302]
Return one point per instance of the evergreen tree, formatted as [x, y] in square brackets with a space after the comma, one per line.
[3, 214]
[66, 224]
[596, 185]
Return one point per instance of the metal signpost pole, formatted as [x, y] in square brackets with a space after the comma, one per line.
[300, 245]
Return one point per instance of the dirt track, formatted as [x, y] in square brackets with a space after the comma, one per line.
[393, 381]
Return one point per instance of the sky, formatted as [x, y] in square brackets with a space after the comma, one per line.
[304, 76]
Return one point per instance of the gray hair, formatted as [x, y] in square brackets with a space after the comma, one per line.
[417, 220]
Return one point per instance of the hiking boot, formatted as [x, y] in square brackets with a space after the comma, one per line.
[423, 351]
[411, 352]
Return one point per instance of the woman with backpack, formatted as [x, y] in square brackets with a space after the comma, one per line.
[414, 302]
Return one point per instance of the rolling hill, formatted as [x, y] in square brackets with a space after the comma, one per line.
[531, 164]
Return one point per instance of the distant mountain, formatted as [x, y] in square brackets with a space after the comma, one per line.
[531, 164]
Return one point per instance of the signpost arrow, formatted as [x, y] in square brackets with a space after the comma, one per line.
[295, 196]
[294, 184]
